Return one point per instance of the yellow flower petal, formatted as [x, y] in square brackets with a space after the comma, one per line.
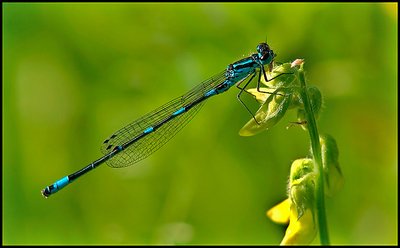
[300, 231]
[280, 213]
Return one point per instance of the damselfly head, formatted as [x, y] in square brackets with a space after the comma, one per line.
[265, 52]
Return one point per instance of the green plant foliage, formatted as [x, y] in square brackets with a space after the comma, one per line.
[73, 73]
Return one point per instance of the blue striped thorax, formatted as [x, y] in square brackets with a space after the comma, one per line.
[243, 68]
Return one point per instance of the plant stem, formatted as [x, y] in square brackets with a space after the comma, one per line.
[316, 152]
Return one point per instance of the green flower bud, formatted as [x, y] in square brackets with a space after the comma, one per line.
[316, 103]
[299, 208]
[330, 161]
[316, 99]
[302, 185]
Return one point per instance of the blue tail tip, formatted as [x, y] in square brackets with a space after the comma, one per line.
[45, 192]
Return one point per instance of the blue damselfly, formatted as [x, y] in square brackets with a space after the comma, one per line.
[147, 134]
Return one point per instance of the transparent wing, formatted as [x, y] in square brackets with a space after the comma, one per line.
[150, 143]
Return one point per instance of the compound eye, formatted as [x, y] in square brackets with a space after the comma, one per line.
[263, 49]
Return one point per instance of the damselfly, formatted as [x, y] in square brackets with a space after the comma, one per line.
[144, 136]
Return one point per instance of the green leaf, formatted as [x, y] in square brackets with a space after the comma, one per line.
[270, 113]
[282, 80]
[261, 97]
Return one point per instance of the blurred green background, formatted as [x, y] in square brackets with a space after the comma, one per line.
[75, 73]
